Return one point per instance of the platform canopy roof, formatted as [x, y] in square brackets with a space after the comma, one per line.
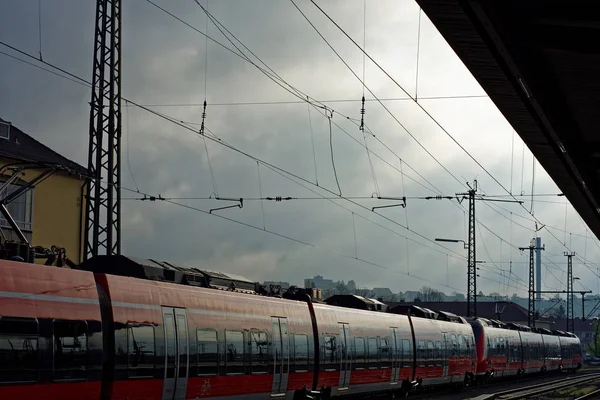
[539, 61]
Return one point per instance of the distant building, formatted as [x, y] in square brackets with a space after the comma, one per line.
[319, 282]
[382, 293]
[583, 328]
[284, 285]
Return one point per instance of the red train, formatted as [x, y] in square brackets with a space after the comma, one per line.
[129, 329]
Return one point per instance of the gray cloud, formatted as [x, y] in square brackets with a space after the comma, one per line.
[164, 63]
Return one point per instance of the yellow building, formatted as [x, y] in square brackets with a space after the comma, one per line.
[50, 210]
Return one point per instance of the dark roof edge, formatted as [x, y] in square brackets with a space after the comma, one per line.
[468, 31]
[69, 163]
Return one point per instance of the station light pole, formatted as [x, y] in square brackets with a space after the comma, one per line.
[471, 273]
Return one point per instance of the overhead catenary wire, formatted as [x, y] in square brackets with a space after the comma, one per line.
[373, 94]
[318, 101]
[262, 207]
[40, 27]
[512, 160]
[88, 83]
[332, 156]
[416, 102]
[127, 148]
[273, 75]
[312, 141]
[418, 53]
[241, 152]
[283, 236]
[395, 82]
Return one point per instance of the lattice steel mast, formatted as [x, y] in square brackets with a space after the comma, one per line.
[531, 304]
[471, 263]
[103, 201]
[570, 297]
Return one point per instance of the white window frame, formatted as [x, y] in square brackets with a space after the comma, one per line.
[7, 137]
[26, 225]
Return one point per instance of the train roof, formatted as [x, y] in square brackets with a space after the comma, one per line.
[522, 328]
[355, 301]
[167, 272]
[422, 312]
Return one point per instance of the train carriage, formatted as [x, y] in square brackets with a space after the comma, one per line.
[499, 351]
[374, 354]
[178, 342]
[552, 359]
[445, 347]
[50, 333]
[533, 351]
[570, 350]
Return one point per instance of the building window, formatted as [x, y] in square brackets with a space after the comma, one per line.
[21, 208]
[4, 130]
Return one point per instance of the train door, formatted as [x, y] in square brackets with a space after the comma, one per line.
[345, 360]
[176, 353]
[281, 355]
[396, 351]
[445, 354]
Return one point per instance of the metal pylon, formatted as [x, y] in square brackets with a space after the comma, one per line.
[103, 201]
[531, 303]
[570, 297]
[471, 267]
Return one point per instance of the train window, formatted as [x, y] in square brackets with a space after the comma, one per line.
[385, 352]
[439, 355]
[359, 353]
[208, 351]
[301, 353]
[373, 355]
[406, 348]
[70, 350]
[259, 352]
[140, 350]
[18, 350]
[454, 345]
[499, 347]
[430, 353]
[421, 356]
[234, 350]
[330, 352]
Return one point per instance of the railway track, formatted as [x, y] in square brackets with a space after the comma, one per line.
[538, 389]
[592, 395]
[503, 386]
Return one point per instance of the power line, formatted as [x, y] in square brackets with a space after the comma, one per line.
[422, 108]
[278, 79]
[289, 238]
[326, 101]
[241, 152]
[373, 94]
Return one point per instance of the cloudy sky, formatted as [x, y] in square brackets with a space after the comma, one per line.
[164, 66]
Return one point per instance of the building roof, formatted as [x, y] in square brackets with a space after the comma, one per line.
[579, 324]
[539, 61]
[486, 309]
[22, 147]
